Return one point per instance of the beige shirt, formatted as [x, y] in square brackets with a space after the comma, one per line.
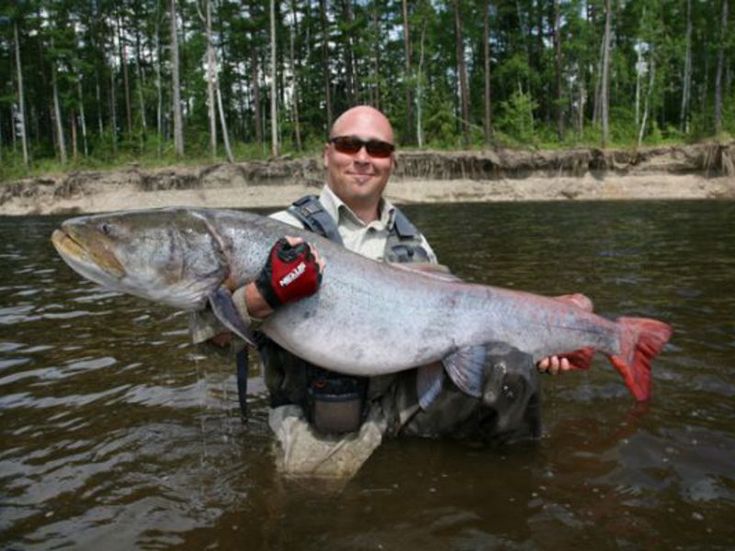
[364, 239]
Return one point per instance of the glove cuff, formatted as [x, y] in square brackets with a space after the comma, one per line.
[265, 288]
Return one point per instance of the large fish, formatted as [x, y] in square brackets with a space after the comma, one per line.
[368, 318]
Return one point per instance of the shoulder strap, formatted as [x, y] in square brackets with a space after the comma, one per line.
[404, 241]
[312, 215]
[403, 227]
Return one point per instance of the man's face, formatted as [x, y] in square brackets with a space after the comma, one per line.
[359, 178]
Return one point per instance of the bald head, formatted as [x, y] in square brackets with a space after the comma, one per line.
[357, 177]
[360, 119]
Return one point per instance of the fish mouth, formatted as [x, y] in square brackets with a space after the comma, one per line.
[93, 255]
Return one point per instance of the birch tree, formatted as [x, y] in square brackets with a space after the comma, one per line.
[687, 78]
[720, 66]
[294, 76]
[211, 69]
[488, 120]
[558, 71]
[58, 119]
[159, 83]
[274, 78]
[175, 86]
[325, 61]
[462, 74]
[605, 75]
[408, 76]
[420, 89]
[21, 97]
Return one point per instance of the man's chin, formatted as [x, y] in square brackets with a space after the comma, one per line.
[363, 180]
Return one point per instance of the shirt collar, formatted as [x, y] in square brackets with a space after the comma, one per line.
[337, 209]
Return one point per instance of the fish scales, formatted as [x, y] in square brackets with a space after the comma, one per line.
[368, 318]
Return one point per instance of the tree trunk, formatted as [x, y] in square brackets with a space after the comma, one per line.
[349, 59]
[57, 114]
[687, 84]
[462, 74]
[113, 109]
[214, 90]
[325, 61]
[98, 98]
[295, 77]
[175, 87]
[558, 70]
[159, 87]
[651, 82]
[82, 118]
[488, 126]
[720, 68]
[274, 91]
[604, 81]
[21, 98]
[126, 80]
[581, 103]
[419, 90]
[141, 81]
[375, 92]
[73, 126]
[408, 74]
[211, 107]
[223, 123]
[256, 96]
[638, 72]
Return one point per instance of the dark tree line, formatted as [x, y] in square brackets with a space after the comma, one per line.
[108, 80]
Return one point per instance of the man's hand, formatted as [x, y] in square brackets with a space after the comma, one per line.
[553, 365]
[293, 271]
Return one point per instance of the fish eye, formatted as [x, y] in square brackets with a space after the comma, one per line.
[105, 228]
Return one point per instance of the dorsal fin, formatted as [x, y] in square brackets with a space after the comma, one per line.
[577, 299]
[436, 271]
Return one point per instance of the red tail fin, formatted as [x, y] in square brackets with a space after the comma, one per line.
[642, 339]
[582, 358]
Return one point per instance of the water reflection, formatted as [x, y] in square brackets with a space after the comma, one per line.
[117, 432]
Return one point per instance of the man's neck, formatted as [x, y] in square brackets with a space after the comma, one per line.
[366, 213]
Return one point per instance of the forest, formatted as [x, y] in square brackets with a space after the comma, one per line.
[98, 83]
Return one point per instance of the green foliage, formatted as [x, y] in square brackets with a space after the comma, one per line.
[516, 117]
[355, 50]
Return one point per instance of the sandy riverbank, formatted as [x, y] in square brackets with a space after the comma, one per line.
[695, 172]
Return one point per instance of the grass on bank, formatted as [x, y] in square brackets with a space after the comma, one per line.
[516, 129]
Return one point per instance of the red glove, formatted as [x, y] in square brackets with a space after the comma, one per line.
[290, 273]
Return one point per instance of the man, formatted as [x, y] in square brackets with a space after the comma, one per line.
[328, 423]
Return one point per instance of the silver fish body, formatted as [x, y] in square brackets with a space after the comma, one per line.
[368, 318]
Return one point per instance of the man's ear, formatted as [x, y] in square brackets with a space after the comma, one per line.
[325, 162]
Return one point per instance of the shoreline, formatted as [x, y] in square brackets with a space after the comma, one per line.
[693, 172]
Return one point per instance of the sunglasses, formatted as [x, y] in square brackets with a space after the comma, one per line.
[351, 145]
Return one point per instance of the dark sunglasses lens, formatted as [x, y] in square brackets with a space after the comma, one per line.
[379, 149]
[347, 145]
[375, 148]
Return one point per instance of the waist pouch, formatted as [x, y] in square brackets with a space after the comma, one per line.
[336, 402]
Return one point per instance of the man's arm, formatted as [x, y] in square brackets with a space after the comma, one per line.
[293, 271]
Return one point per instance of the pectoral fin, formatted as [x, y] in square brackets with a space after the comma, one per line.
[224, 309]
[429, 382]
[466, 368]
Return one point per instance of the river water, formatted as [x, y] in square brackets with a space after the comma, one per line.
[116, 433]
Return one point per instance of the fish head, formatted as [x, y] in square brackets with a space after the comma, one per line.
[171, 256]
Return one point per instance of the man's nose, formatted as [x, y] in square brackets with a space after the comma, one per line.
[362, 155]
